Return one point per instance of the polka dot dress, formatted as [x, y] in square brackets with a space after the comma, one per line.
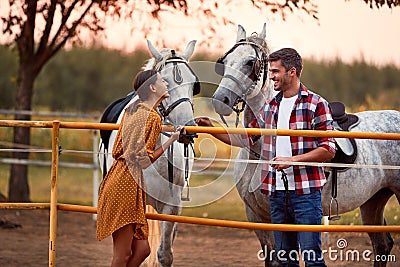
[121, 200]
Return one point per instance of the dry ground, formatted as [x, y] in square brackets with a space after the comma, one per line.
[194, 245]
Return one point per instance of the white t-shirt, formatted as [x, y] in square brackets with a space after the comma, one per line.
[283, 146]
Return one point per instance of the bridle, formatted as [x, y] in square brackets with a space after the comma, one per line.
[165, 111]
[188, 138]
[258, 68]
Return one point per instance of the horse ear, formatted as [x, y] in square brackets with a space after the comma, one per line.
[189, 49]
[241, 33]
[263, 33]
[154, 52]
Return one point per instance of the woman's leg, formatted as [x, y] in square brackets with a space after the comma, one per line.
[122, 243]
[140, 251]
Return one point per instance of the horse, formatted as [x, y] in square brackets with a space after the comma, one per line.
[245, 81]
[165, 178]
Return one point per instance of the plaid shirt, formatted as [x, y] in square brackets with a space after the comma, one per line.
[310, 112]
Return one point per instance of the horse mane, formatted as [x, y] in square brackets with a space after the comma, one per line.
[166, 53]
[260, 41]
[266, 91]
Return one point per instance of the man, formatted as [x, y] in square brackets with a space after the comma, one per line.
[295, 191]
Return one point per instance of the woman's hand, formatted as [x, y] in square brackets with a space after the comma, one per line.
[174, 136]
[179, 130]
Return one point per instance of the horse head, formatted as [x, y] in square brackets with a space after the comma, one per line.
[244, 71]
[183, 83]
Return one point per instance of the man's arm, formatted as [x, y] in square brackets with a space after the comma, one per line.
[230, 139]
[319, 154]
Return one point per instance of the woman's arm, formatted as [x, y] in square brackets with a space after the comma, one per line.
[160, 150]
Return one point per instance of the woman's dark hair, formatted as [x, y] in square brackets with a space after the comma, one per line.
[142, 82]
[289, 59]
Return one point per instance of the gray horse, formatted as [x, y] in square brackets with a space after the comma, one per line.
[245, 80]
[164, 190]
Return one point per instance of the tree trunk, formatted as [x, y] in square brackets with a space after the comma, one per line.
[18, 189]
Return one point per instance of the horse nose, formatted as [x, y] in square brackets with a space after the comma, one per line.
[190, 123]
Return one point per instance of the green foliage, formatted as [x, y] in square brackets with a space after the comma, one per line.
[87, 80]
[354, 84]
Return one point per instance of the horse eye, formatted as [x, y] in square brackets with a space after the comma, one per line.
[250, 62]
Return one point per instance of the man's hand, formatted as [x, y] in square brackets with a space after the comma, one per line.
[279, 166]
[203, 121]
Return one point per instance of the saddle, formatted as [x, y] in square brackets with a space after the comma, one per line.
[346, 148]
[110, 115]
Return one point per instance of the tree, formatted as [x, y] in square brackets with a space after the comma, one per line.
[40, 28]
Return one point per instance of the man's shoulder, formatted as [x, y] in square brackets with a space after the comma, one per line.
[311, 95]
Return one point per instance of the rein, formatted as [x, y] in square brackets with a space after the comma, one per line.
[166, 111]
[170, 158]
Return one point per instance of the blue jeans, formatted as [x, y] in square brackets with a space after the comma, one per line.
[302, 209]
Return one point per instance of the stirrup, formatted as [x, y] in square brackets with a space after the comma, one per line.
[187, 197]
[337, 216]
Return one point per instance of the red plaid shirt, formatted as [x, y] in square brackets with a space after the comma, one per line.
[310, 112]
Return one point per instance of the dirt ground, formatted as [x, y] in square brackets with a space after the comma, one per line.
[194, 245]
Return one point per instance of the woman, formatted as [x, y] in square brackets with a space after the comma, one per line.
[122, 200]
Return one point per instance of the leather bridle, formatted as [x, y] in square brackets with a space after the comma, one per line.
[165, 111]
[259, 67]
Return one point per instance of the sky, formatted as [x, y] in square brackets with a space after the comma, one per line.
[347, 30]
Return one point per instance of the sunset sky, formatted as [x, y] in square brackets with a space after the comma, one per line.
[347, 30]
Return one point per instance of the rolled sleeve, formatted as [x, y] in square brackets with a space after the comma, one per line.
[329, 145]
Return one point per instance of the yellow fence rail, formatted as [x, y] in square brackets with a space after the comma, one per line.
[211, 130]
[54, 205]
[218, 222]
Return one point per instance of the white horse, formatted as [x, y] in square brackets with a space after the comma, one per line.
[164, 189]
[245, 79]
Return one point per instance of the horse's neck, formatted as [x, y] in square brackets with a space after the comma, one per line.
[255, 103]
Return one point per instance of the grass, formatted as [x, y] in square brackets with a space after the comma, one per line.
[227, 206]
[75, 186]
[392, 215]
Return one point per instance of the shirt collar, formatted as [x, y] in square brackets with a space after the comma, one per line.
[303, 92]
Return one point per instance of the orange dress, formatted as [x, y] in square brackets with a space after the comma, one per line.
[122, 199]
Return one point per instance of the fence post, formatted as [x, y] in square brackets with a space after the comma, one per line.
[95, 171]
[53, 197]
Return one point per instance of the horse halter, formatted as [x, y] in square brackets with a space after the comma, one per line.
[257, 69]
[165, 111]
